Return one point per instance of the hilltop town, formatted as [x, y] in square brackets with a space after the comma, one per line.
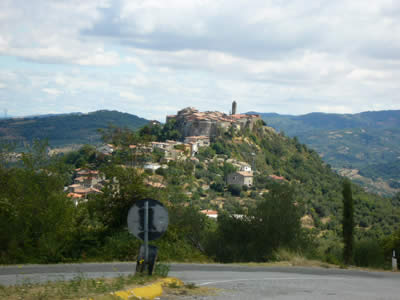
[197, 130]
[191, 122]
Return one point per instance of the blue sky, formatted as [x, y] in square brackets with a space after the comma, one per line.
[154, 57]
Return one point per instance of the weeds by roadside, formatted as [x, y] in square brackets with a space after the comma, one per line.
[78, 288]
[162, 270]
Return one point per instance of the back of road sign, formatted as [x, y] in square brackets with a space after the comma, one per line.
[158, 219]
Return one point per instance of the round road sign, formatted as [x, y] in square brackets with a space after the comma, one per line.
[157, 219]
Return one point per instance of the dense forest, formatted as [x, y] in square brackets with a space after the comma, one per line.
[300, 212]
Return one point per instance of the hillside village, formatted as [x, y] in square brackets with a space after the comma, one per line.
[197, 131]
[215, 161]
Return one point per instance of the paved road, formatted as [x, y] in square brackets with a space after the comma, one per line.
[237, 282]
[249, 283]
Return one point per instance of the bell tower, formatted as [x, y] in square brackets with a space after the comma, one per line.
[234, 108]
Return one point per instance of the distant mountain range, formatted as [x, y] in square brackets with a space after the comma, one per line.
[364, 146]
[65, 129]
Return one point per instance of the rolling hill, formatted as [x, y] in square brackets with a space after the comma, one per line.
[366, 145]
[65, 129]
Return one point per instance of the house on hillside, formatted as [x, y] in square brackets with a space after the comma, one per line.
[196, 142]
[151, 166]
[240, 178]
[210, 213]
[154, 123]
[277, 178]
[106, 149]
[85, 182]
[200, 140]
[244, 167]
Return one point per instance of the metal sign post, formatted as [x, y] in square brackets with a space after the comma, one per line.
[147, 220]
[146, 232]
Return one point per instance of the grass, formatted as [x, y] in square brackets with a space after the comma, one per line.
[100, 288]
[287, 258]
[284, 257]
[162, 270]
[77, 288]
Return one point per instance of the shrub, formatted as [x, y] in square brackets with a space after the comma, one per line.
[162, 269]
[234, 189]
[369, 253]
[218, 186]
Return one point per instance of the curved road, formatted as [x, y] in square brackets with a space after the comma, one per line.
[236, 282]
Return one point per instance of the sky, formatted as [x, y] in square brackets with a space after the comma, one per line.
[154, 57]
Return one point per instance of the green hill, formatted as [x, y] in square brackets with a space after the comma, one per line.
[275, 158]
[65, 129]
[367, 141]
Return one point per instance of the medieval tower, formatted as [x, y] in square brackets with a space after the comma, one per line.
[234, 108]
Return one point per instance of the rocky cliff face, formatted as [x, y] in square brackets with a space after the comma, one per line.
[197, 128]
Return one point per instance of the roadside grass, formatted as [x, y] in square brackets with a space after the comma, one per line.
[288, 258]
[81, 287]
[77, 288]
[284, 257]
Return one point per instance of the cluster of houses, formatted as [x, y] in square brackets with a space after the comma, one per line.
[85, 182]
[175, 150]
[197, 128]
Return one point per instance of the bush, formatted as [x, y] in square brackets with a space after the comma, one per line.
[149, 172]
[253, 194]
[218, 186]
[234, 189]
[273, 224]
[162, 270]
[369, 253]
[161, 171]
[121, 246]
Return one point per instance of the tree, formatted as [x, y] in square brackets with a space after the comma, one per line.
[235, 189]
[124, 187]
[274, 223]
[348, 222]
[35, 214]
[277, 219]
[228, 169]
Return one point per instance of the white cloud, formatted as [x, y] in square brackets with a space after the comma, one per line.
[51, 91]
[140, 81]
[48, 31]
[284, 56]
[130, 96]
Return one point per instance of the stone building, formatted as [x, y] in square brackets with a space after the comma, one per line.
[240, 178]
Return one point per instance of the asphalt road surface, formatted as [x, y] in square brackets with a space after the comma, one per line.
[235, 282]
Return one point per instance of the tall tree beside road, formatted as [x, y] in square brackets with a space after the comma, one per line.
[35, 214]
[273, 224]
[348, 222]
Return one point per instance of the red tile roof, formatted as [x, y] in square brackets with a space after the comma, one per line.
[276, 177]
